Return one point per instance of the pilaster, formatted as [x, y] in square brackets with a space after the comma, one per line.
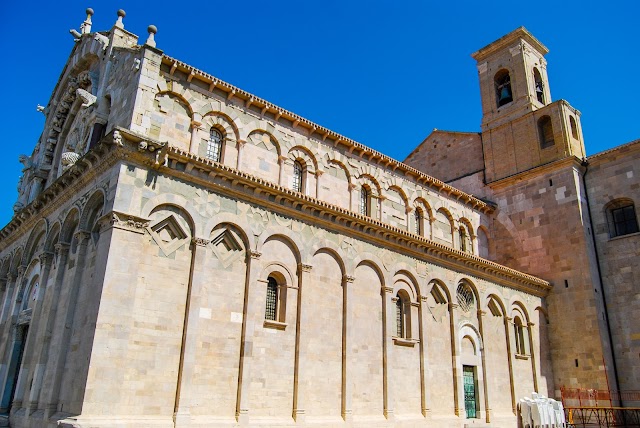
[249, 321]
[388, 309]
[43, 367]
[58, 361]
[347, 358]
[425, 383]
[302, 349]
[182, 415]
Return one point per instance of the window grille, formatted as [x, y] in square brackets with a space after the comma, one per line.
[418, 220]
[519, 333]
[399, 317]
[214, 145]
[272, 300]
[463, 240]
[465, 298]
[297, 176]
[624, 220]
[364, 201]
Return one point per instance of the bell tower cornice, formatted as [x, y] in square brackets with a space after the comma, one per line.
[507, 41]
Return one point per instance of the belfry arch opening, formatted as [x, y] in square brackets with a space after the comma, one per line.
[502, 81]
[539, 85]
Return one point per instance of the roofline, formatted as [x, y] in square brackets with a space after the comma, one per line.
[614, 149]
[508, 39]
[442, 131]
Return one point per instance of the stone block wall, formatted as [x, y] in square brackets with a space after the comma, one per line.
[613, 180]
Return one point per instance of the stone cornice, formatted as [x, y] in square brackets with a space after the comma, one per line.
[535, 171]
[240, 185]
[328, 136]
[243, 186]
[520, 33]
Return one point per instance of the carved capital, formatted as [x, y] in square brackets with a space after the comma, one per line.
[387, 289]
[452, 306]
[21, 270]
[530, 324]
[82, 236]
[254, 254]
[281, 159]
[305, 268]
[200, 242]
[46, 257]
[348, 278]
[12, 276]
[423, 298]
[61, 248]
[481, 313]
[319, 172]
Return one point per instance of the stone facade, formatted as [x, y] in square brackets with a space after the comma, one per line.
[185, 254]
[551, 216]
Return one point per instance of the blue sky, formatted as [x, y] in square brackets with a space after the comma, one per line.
[380, 72]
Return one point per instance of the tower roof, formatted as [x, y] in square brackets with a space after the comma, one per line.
[507, 40]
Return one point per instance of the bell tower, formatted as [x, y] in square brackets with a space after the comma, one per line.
[521, 127]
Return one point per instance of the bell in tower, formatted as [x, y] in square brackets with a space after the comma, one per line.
[503, 88]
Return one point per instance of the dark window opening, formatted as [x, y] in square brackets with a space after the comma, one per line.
[272, 300]
[365, 201]
[622, 220]
[418, 221]
[574, 127]
[503, 88]
[539, 85]
[545, 130]
[298, 175]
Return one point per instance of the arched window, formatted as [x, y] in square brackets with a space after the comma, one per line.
[365, 201]
[463, 239]
[464, 296]
[403, 315]
[399, 317]
[574, 127]
[298, 177]
[519, 331]
[214, 145]
[418, 219]
[539, 85]
[622, 219]
[29, 298]
[271, 310]
[545, 130]
[502, 82]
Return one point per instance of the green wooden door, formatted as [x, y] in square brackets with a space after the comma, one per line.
[469, 381]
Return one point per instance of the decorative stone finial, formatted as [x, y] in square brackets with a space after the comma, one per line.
[121, 14]
[85, 28]
[152, 29]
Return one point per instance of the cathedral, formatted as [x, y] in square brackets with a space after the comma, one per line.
[186, 254]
